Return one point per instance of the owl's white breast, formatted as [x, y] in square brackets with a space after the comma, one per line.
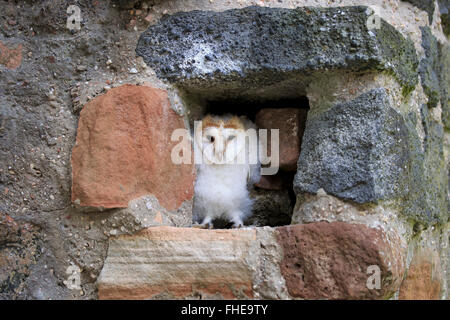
[221, 183]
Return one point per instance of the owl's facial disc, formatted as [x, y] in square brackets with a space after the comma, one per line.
[221, 145]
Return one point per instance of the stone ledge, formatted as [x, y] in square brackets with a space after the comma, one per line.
[240, 52]
[318, 260]
[178, 262]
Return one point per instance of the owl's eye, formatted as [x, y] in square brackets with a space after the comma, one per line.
[231, 137]
[210, 138]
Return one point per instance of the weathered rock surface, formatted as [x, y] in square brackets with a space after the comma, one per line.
[444, 77]
[444, 6]
[424, 276]
[58, 71]
[349, 150]
[365, 151]
[429, 67]
[236, 52]
[270, 208]
[330, 261]
[19, 250]
[426, 201]
[425, 5]
[291, 124]
[322, 207]
[167, 262]
[123, 151]
[11, 58]
[318, 260]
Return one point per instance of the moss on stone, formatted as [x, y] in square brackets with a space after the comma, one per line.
[429, 68]
[444, 80]
[399, 52]
[444, 6]
[426, 201]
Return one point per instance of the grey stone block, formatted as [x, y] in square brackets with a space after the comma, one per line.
[429, 67]
[355, 150]
[365, 151]
[444, 77]
[245, 52]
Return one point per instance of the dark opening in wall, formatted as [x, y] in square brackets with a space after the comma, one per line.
[251, 108]
[273, 197]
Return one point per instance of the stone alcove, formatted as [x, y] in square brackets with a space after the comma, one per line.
[273, 196]
[357, 155]
[244, 60]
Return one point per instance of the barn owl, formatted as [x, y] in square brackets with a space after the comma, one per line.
[226, 171]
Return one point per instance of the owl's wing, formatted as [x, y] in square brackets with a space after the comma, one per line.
[254, 174]
[254, 170]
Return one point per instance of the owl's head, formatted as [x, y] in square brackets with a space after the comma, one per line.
[220, 139]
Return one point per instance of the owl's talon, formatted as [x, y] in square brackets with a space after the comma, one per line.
[207, 225]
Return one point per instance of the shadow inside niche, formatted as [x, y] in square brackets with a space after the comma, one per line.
[250, 108]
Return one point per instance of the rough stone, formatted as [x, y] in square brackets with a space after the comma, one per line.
[280, 181]
[123, 151]
[425, 5]
[312, 261]
[268, 280]
[426, 201]
[167, 262]
[291, 124]
[444, 77]
[348, 150]
[423, 279]
[429, 67]
[322, 207]
[444, 6]
[19, 250]
[236, 52]
[330, 261]
[10, 58]
[126, 4]
[270, 208]
[37, 137]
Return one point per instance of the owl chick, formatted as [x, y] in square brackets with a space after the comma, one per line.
[226, 171]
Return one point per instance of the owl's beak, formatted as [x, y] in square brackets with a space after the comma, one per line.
[219, 148]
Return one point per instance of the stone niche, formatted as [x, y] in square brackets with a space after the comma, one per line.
[321, 67]
[262, 63]
[273, 196]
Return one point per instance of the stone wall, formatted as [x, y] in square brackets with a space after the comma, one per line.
[92, 207]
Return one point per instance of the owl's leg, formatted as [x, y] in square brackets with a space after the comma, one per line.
[237, 221]
[206, 224]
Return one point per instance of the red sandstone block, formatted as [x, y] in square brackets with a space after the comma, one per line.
[424, 277]
[291, 123]
[330, 261]
[123, 150]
